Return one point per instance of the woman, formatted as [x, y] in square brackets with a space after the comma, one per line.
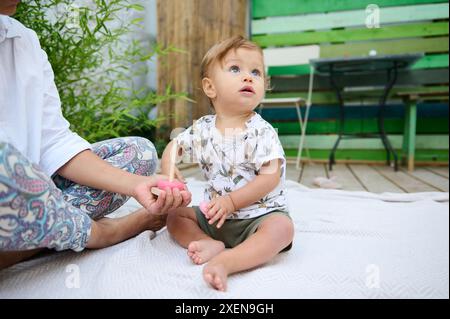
[56, 188]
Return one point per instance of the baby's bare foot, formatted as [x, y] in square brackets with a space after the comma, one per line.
[216, 275]
[202, 251]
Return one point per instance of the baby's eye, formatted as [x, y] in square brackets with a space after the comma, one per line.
[256, 72]
[235, 69]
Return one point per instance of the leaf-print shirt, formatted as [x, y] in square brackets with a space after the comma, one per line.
[231, 161]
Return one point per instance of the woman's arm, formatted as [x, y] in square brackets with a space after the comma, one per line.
[86, 168]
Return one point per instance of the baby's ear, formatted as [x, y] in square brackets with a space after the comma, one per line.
[208, 88]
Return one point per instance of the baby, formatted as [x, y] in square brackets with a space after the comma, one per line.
[243, 161]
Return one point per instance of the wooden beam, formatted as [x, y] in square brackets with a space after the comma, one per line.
[266, 8]
[393, 126]
[345, 19]
[433, 61]
[423, 157]
[432, 45]
[409, 78]
[192, 27]
[362, 34]
[429, 142]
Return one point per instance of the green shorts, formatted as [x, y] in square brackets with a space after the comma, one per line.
[234, 231]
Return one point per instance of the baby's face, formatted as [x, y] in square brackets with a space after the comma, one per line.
[239, 81]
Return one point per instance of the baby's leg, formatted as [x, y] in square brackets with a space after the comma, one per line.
[274, 234]
[183, 225]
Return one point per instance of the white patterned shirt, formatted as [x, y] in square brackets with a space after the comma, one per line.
[231, 161]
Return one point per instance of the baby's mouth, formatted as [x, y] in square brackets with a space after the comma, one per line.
[247, 89]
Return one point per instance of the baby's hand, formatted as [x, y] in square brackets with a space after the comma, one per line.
[219, 209]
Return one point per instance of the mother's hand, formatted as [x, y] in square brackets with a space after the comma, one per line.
[166, 201]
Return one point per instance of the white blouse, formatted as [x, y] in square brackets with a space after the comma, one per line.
[30, 107]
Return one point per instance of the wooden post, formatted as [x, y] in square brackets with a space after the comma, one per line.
[409, 135]
[192, 26]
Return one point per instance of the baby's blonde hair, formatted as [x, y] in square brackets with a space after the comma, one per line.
[218, 52]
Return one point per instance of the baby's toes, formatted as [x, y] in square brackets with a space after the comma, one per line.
[192, 247]
[218, 284]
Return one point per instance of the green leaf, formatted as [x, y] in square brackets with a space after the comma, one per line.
[237, 179]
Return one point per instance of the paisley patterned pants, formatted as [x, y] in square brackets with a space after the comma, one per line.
[37, 211]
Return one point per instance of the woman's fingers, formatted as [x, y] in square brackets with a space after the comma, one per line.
[187, 198]
[157, 206]
[177, 199]
[169, 200]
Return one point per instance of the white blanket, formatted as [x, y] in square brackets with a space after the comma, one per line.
[347, 245]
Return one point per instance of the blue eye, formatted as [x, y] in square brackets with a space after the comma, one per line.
[235, 69]
[256, 72]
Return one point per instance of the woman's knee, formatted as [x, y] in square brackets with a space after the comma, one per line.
[148, 156]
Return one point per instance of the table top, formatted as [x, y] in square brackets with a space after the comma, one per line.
[364, 65]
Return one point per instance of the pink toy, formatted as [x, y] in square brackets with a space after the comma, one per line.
[162, 185]
[171, 184]
[204, 208]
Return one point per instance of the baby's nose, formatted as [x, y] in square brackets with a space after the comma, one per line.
[248, 78]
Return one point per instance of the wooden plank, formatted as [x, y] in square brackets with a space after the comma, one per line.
[362, 34]
[346, 178]
[356, 18]
[267, 8]
[434, 180]
[291, 55]
[432, 45]
[309, 172]
[373, 181]
[393, 126]
[429, 142]
[441, 171]
[286, 113]
[427, 62]
[404, 181]
[432, 61]
[329, 97]
[428, 157]
[192, 171]
[292, 173]
[405, 78]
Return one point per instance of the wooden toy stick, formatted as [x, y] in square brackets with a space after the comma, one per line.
[173, 156]
[156, 191]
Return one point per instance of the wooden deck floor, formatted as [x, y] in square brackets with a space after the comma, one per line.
[375, 179]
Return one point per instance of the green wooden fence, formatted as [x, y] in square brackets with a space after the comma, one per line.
[338, 27]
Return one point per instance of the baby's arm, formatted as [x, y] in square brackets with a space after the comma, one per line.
[166, 161]
[268, 178]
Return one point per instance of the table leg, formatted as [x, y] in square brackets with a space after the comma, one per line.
[409, 139]
[405, 145]
[392, 77]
